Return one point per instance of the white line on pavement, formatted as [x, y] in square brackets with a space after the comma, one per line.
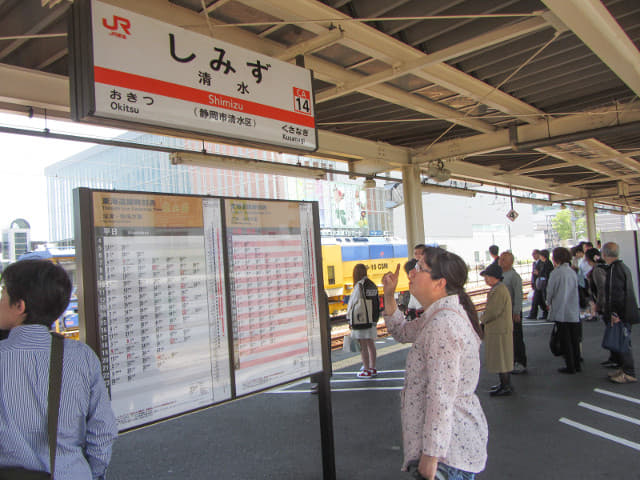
[374, 379]
[600, 433]
[610, 413]
[617, 395]
[379, 372]
[337, 390]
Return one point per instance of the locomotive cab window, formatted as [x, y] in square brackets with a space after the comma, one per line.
[331, 274]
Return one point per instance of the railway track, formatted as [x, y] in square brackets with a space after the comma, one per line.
[340, 328]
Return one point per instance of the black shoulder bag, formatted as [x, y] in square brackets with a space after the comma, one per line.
[55, 387]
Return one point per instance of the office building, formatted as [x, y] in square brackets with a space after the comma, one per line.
[346, 208]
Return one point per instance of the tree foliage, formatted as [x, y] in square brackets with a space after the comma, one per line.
[566, 222]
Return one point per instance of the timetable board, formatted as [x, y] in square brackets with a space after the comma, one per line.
[192, 301]
[274, 301]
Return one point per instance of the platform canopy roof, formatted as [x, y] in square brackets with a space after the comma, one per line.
[540, 95]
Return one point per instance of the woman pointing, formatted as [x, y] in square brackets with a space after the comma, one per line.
[444, 427]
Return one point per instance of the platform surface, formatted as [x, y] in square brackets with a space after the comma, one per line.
[554, 427]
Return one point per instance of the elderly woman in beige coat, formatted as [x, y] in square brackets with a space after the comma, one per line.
[498, 331]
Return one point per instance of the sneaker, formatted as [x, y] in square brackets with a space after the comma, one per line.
[518, 369]
[364, 374]
[615, 373]
[373, 372]
[623, 378]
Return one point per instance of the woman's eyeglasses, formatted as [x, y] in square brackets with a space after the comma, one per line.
[420, 268]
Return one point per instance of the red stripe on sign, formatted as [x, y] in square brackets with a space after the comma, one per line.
[117, 78]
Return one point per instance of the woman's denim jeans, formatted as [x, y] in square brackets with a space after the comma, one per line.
[444, 472]
[450, 473]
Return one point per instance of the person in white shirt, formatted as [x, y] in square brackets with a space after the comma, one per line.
[444, 428]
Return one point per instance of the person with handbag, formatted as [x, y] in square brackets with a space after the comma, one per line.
[444, 429]
[34, 294]
[564, 308]
[619, 306]
[363, 312]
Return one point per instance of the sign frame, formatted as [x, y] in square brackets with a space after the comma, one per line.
[271, 119]
[88, 293]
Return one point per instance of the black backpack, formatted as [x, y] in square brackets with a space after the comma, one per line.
[364, 309]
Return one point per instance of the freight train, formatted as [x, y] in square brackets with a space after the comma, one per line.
[341, 254]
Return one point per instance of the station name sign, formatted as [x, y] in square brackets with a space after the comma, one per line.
[135, 69]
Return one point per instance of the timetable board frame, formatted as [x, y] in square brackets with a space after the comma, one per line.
[192, 301]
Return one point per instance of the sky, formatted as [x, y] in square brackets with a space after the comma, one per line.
[23, 187]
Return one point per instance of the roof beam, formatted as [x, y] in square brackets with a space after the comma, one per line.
[365, 156]
[543, 168]
[214, 6]
[480, 174]
[52, 59]
[611, 193]
[573, 159]
[488, 39]
[53, 16]
[330, 72]
[312, 45]
[596, 27]
[501, 140]
[609, 178]
[606, 153]
[30, 88]
[371, 42]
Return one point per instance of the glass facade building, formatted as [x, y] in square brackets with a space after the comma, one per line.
[346, 208]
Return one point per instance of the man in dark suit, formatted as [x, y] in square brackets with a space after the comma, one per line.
[620, 306]
[538, 295]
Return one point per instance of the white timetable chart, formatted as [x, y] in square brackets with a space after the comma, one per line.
[274, 302]
[193, 301]
[162, 318]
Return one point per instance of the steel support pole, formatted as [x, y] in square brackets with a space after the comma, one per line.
[412, 189]
[590, 214]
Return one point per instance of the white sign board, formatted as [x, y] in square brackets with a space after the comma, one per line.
[151, 72]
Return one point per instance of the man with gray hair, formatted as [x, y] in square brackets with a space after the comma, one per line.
[619, 306]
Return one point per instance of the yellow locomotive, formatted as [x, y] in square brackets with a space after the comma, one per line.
[341, 254]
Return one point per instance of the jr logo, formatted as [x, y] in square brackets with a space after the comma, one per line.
[119, 23]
